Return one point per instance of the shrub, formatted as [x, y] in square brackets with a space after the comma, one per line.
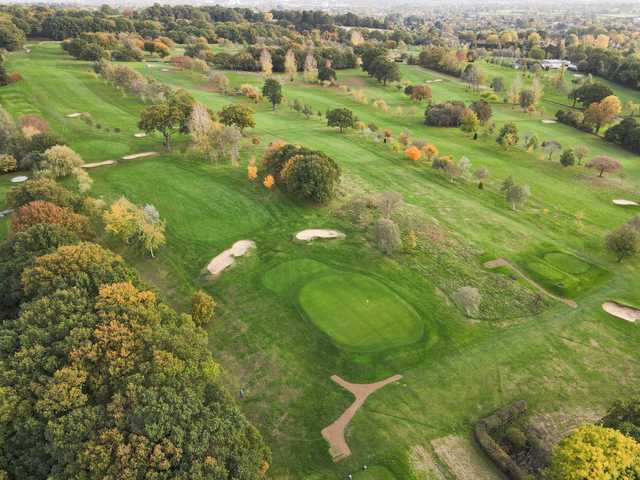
[39, 189]
[516, 438]
[568, 158]
[7, 163]
[447, 114]
[387, 236]
[202, 308]
[60, 161]
[623, 242]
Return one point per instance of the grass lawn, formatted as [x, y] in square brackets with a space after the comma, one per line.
[455, 369]
[359, 313]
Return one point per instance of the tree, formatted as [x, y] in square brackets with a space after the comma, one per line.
[311, 177]
[581, 152]
[497, 84]
[290, 65]
[60, 161]
[40, 211]
[623, 242]
[469, 299]
[421, 92]
[168, 116]
[482, 109]
[551, 147]
[326, 74]
[590, 93]
[430, 151]
[568, 158]
[604, 164]
[413, 153]
[84, 265]
[239, 115]
[595, 453]
[268, 182]
[385, 70]
[341, 118]
[7, 163]
[11, 37]
[601, 113]
[508, 135]
[219, 81]
[202, 308]
[526, 99]
[481, 175]
[266, 63]
[387, 236]
[40, 189]
[200, 126]
[470, 122]
[387, 202]
[273, 91]
[310, 68]
[473, 75]
[513, 94]
[135, 225]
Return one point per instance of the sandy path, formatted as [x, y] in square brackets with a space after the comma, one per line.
[624, 312]
[311, 233]
[228, 257]
[139, 155]
[625, 203]
[334, 433]
[503, 262]
[98, 164]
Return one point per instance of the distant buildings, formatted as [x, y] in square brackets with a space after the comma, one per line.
[555, 64]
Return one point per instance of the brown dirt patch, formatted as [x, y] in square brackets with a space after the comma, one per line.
[424, 464]
[334, 433]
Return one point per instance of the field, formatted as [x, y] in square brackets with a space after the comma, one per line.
[291, 314]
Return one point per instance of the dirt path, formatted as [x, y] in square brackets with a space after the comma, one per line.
[503, 262]
[334, 433]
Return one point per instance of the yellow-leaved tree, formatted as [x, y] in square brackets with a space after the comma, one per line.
[595, 453]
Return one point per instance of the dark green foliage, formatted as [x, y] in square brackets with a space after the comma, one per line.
[11, 37]
[590, 93]
[623, 242]
[273, 91]
[626, 134]
[341, 118]
[326, 73]
[568, 158]
[482, 109]
[313, 178]
[624, 415]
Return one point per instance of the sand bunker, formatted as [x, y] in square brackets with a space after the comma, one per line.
[503, 262]
[312, 233]
[19, 179]
[228, 257]
[334, 433]
[624, 312]
[6, 212]
[626, 203]
[549, 121]
[98, 164]
[139, 155]
[434, 81]
[74, 115]
[140, 135]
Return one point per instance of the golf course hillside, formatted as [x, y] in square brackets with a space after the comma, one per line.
[332, 268]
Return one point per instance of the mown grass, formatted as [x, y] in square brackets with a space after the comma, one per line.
[558, 359]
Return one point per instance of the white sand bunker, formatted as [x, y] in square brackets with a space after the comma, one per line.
[312, 233]
[228, 257]
[74, 115]
[626, 203]
[19, 179]
[624, 312]
[140, 135]
[98, 164]
[434, 81]
[139, 155]
[549, 121]
[166, 70]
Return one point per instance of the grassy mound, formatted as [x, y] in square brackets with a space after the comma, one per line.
[287, 275]
[359, 313]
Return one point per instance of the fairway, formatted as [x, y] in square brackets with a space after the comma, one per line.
[375, 473]
[360, 313]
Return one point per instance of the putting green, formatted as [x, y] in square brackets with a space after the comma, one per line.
[567, 263]
[359, 313]
[375, 473]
